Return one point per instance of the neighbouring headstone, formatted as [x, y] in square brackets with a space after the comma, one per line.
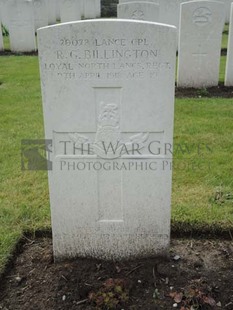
[52, 12]
[90, 9]
[227, 9]
[82, 7]
[147, 11]
[98, 8]
[70, 10]
[229, 64]
[40, 13]
[108, 96]
[200, 43]
[58, 11]
[168, 10]
[1, 38]
[129, 1]
[4, 13]
[21, 25]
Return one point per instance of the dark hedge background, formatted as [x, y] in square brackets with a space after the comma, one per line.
[109, 8]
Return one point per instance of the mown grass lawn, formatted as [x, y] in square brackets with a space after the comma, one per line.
[203, 178]
[225, 36]
[202, 197]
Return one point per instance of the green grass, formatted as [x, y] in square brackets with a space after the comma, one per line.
[6, 43]
[24, 199]
[23, 195]
[222, 69]
[225, 36]
[203, 183]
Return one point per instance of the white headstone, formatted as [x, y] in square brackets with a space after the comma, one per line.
[127, 1]
[58, 10]
[98, 8]
[227, 9]
[90, 9]
[169, 10]
[21, 25]
[108, 95]
[40, 13]
[52, 12]
[147, 11]
[82, 7]
[1, 38]
[4, 13]
[70, 10]
[229, 64]
[200, 43]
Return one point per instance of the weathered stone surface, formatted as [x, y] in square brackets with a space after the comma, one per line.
[108, 95]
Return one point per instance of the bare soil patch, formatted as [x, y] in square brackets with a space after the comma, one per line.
[197, 274]
[219, 91]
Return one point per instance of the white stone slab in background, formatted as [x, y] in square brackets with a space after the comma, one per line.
[40, 13]
[200, 43]
[229, 64]
[227, 9]
[58, 11]
[106, 82]
[98, 8]
[4, 13]
[82, 7]
[70, 10]
[125, 1]
[147, 11]
[168, 10]
[52, 12]
[90, 9]
[1, 38]
[21, 25]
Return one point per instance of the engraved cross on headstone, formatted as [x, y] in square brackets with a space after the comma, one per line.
[106, 145]
[200, 57]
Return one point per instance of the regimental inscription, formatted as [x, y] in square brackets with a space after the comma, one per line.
[202, 16]
[106, 59]
[138, 14]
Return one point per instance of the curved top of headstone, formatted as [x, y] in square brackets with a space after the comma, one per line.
[144, 2]
[108, 21]
[204, 13]
[202, 3]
